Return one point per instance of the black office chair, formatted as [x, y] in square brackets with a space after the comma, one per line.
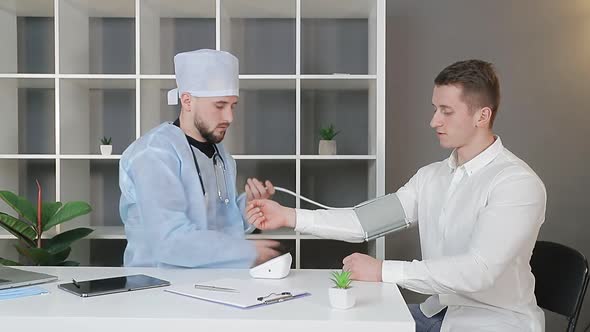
[561, 279]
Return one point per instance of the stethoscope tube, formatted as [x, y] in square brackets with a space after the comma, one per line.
[287, 191]
[214, 163]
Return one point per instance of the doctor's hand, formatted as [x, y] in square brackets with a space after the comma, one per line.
[266, 214]
[257, 190]
[266, 250]
[363, 267]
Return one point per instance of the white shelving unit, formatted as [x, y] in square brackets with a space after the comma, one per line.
[72, 71]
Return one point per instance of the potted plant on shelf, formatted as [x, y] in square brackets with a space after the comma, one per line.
[341, 296]
[32, 221]
[327, 142]
[106, 148]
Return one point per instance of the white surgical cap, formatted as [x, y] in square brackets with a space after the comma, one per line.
[205, 73]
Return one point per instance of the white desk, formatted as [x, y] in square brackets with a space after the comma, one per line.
[379, 307]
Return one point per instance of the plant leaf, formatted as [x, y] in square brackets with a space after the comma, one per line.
[48, 210]
[61, 256]
[21, 205]
[341, 279]
[68, 211]
[38, 256]
[65, 239]
[18, 228]
[8, 262]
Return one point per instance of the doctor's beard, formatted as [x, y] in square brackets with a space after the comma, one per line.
[209, 134]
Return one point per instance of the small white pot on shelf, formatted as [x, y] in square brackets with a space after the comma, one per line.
[106, 150]
[341, 298]
[327, 147]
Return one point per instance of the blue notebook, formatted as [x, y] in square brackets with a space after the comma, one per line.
[13, 293]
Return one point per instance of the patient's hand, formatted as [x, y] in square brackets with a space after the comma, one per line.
[363, 267]
[266, 214]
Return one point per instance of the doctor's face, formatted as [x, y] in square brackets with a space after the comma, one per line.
[213, 115]
[453, 120]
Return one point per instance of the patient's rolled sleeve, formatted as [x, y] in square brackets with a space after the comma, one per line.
[392, 271]
[304, 220]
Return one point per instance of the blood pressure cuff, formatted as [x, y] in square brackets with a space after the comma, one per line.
[381, 216]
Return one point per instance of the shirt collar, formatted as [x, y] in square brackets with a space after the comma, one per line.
[479, 161]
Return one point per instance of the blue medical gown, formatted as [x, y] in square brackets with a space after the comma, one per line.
[168, 221]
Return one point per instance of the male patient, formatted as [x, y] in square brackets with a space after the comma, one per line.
[479, 213]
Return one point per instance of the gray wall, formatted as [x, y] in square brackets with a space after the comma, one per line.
[541, 49]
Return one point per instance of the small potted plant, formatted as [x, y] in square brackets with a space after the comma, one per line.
[106, 148]
[327, 142]
[341, 296]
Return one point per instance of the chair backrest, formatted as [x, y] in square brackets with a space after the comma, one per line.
[561, 279]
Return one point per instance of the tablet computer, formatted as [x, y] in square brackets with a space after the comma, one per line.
[112, 285]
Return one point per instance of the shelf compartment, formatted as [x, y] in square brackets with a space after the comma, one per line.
[106, 252]
[27, 36]
[328, 254]
[260, 34]
[270, 111]
[27, 121]
[344, 103]
[338, 36]
[97, 37]
[337, 183]
[171, 27]
[94, 108]
[95, 182]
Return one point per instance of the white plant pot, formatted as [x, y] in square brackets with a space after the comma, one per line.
[106, 150]
[327, 147]
[341, 298]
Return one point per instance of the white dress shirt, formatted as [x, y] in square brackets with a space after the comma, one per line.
[478, 226]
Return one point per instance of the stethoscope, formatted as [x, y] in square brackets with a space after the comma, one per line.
[219, 167]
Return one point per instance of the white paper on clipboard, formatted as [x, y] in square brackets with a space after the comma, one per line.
[250, 293]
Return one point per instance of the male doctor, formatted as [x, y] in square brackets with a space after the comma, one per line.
[178, 184]
[479, 213]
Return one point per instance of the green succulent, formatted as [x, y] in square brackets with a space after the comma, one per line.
[106, 140]
[341, 279]
[328, 133]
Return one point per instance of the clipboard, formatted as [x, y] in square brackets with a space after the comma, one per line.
[239, 293]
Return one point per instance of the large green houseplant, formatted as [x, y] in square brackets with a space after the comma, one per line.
[32, 221]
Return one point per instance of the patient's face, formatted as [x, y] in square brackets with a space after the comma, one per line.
[453, 120]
